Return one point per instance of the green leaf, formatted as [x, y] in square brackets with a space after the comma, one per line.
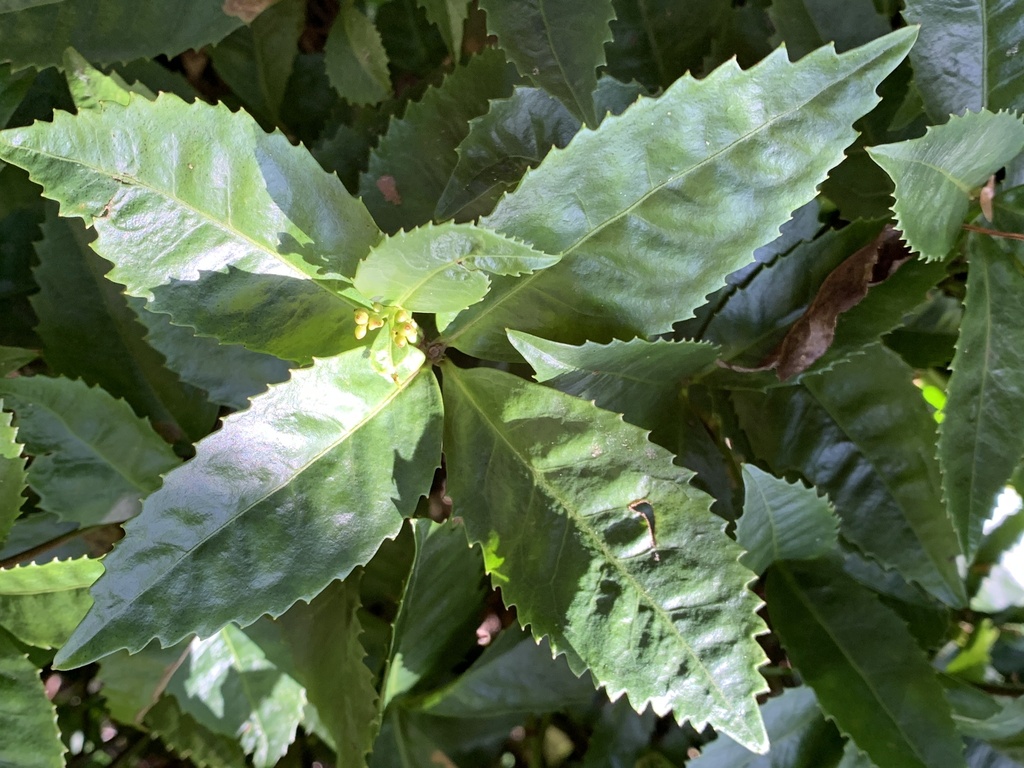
[862, 433]
[937, 174]
[356, 61]
[410, 167]
[29, 720]
[800, 738]
[557, 44]
[134, 683]
[596, 565]
[980, 443]
[13, 358]
[844, 644]
[515, 674]
[232, 686]
[41, 604]
[966, 58]
[89, 331]
[808, 24]
[514, 135]
[191, 741]
[256, 60]
[13, 87]
[441, 268]
[656, 41]
[782, 521]
[109, 31]
[327, 659]
[93, 458]
[13, 479]
[438, 612]
[255, 241]
[90, 88]
[330, 461]
[449, 16]
[638, 250]
[639, 379]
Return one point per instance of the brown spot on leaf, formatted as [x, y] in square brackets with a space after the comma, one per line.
[986, 196]
[845, 287]
[643, 508]
[246, 10]
[387, 186]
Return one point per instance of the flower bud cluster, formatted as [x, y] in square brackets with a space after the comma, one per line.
[404, 329]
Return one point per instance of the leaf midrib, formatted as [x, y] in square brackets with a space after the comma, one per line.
[523, 283]
[540, 482]
[811, 609]
[291, 478]
[227, 228]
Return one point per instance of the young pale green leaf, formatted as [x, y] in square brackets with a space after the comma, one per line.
[289, 495]
[90, 88]
[514, 135]
[980, 440]
[90, 331]
[557, 44]
[804, 25]
[722, 163]
[799, 734]
[410, 167]
[862, 433]
[326, 657]
[109, 31]
[190, 740]
[968, 56]
[93, 457]
[514, 674]
[207, 217]
[865, 667]
[439, 609]
[782, 521]
[449, 16]
[599, 540]
[41, 604]
[639, 379]
[356, 61]
[13, 479]
[29, 721]
[257, 60]
[937, 174]
[441, 268]
[233, 686]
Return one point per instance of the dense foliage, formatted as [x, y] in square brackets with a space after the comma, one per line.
[516, 382]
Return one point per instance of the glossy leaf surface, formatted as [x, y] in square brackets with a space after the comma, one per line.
[555, 45]
[89, 330]
[782, 521]
[94, 458]
[354, 56]
[329, 475]
[622, 232]
[980, 443]
[585, 562]
[410, 167]
[514, 135]
[31, 738]
[968, 56]
[210, 227]
[327, 659]
[110, 31]
[41, 604]
[442, 268]
[942, 170]
[230, 685]
[862, 433]
[827, 623]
